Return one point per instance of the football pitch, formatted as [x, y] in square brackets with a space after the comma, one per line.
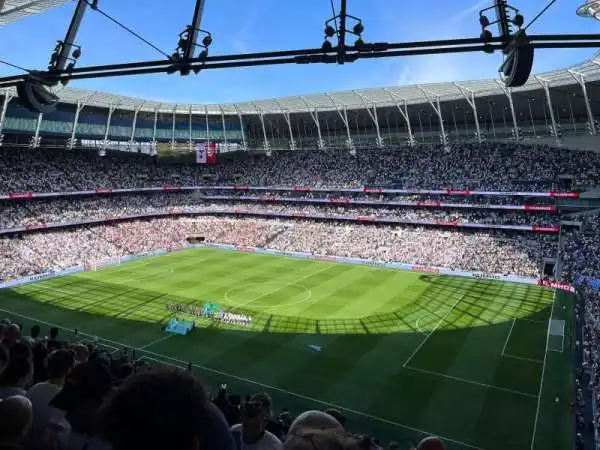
[402, 354]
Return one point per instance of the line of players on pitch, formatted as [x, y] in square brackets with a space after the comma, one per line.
[211, 311]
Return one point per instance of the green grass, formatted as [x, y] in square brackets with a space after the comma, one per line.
[403, 353]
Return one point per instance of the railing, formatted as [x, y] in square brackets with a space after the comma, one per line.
[298, 189]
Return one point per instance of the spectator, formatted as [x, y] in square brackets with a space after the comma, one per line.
[316, 420]
[337, 414]
[431, 443]
[15, 420]
[4, 358]
[251, 433]
[84, 390]
[82, 353]
[16, 376]
[59, 365]
[12, 334]
[316, 439]
[35, 334]
[164, 409]
[53, 342]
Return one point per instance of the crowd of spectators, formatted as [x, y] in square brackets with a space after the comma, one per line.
[492, 166]
[581, 250]
[581, 265]
[494, 252]
[588, 394]
[56, 394]
[15, 214]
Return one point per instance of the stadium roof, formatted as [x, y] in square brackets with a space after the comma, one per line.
[12, 10]
[355, 99]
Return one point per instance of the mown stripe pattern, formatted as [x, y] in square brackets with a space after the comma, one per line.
[407, 352]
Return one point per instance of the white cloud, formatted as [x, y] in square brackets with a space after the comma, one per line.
[470, 10]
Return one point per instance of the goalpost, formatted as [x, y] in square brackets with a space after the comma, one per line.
[556, 336]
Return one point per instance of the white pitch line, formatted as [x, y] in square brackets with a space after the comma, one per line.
[155, 360]
[522, 358]
[162, 339]
[431, 333]
[537, 410]
[419, 329]
[263, 385]
[508, 336]
[313, 400]
[476, 383]
[272, 291]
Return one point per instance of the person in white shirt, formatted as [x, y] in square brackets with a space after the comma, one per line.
[251, 433]
[59, 365]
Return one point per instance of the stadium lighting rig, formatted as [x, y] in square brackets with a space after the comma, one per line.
[512, 40]
[591, 8]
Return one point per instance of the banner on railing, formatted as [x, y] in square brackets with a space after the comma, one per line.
[245, 187]
[297, 214]
[556, 285]
[39, 277]
[20, 195]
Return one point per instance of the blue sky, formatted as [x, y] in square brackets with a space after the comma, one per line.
[259, 25]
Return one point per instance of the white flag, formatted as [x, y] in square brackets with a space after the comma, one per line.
[201, 153]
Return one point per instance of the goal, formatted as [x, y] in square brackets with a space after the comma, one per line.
[556, 335]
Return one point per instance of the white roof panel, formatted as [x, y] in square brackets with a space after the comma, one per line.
[12, 10]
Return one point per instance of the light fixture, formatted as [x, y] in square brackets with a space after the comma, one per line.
[590, 9]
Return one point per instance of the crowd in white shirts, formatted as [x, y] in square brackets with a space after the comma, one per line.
[491, 166]
[496, 252]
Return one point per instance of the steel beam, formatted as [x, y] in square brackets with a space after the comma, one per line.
[508, 93]
[580, 78]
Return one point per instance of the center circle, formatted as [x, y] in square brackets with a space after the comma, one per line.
[257, 295]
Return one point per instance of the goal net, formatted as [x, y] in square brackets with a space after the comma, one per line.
[556, 335]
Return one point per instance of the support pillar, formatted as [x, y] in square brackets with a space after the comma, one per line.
[529, 101]
[36, 140]
[134, 125]
[471, 101]
[207, 127]
[79, 108]
[374, 118]
[580, 78]
[508, 93]
[264, 130]
[343, 113]
[173, 130]
[190, 142]
[226, 146]
[314, 114]
[438, 111]
[404, 113]
[154, 127]
[239, 113]
[8, 96]
[286, 115]
[546, 86]
[111, 110]
[491, 111]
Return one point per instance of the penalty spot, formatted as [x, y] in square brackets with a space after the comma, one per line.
[316, 348]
